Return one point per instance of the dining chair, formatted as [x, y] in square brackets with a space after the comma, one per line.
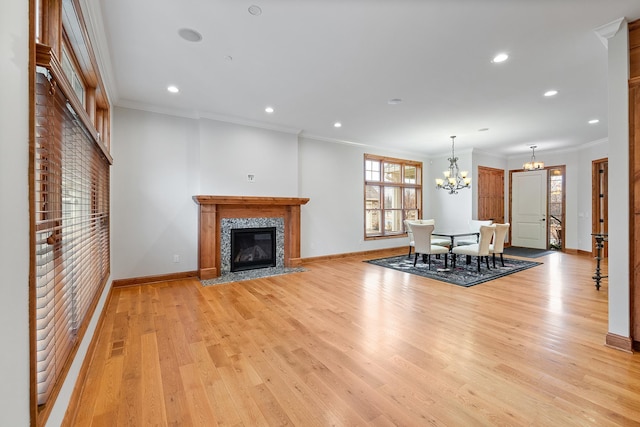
[474, 227]
[423, 246]
[434, 240]
[497, 246]
[479, 250]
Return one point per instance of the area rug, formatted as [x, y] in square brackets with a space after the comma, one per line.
[526, 252]
[463, 275]
[239, 276]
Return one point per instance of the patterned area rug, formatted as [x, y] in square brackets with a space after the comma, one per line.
[463, 275]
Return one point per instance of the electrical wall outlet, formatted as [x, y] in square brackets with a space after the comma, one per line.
[251, 177]
[176, 258]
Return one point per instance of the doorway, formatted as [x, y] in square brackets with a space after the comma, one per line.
[529, 209]
[544, 227]
[600, 202]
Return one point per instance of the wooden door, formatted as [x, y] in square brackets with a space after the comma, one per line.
[529, 209]
[491, 194]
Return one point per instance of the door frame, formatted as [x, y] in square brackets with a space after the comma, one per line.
[564, 201]
[596, 212]
[545, 208]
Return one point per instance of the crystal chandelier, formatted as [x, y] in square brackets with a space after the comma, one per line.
[533, 165]
[454, 179]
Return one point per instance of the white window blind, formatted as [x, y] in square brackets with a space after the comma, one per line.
[71, 226]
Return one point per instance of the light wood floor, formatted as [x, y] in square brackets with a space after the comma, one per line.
[348, 343]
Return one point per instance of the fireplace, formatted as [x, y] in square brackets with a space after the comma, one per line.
[253, 248]
[217, 214]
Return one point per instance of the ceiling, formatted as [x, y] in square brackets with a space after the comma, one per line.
[317, 62]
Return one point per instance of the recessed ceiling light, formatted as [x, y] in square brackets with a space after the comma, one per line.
[551, 93]
[501, 57]
[173, 89]
[228, 58]
[255, 10]
[337, 125]
[594, 121]
[190, 35]
[269, 110]
[394, 101]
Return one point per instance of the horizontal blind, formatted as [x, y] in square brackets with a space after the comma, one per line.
[71, 211]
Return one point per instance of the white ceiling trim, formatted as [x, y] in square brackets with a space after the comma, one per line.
[373, 148]
[606, 31]
[195, 115]
[250, 123]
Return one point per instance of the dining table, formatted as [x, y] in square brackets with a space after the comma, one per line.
[453, 234]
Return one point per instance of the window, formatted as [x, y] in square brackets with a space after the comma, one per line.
[71, 72]
[69, 185]
[393, 193]
[71, 251]
[556, 207]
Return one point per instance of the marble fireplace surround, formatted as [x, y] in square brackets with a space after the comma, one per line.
[213, 209]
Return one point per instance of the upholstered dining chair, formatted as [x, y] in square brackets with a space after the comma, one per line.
[423, 246]
[474, 227]
[479, 250]
[497, 246]
[434, 240]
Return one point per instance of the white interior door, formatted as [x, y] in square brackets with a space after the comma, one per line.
[529, 209]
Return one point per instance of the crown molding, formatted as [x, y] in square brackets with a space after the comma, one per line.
[332, 140]
[151, 108]
[198, 115]
[606, 31]
[572, 149]
[246, 122]
[377, 148]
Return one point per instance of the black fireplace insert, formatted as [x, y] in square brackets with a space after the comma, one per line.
[253, 248]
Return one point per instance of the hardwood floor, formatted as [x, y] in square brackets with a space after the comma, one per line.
[349, 343]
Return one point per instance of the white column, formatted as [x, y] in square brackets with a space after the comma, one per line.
[619, 286]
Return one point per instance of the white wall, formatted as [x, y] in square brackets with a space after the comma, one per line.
[449, 210]
[153, 179]
[230, 152]
[14, 215]
[332, 176]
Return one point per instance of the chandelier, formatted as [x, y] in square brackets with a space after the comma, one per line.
[454, 179]
[533, 165]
